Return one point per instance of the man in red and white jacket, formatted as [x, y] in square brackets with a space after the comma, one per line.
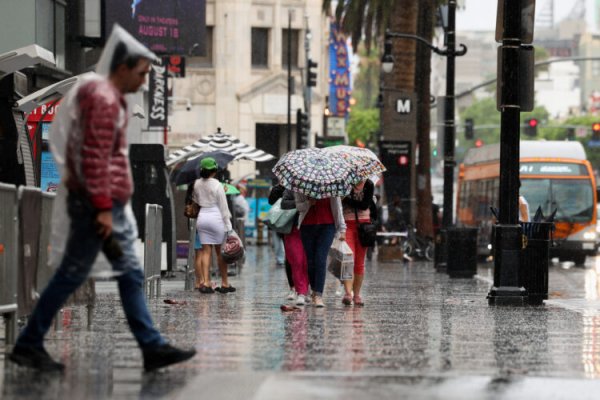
[98, 179]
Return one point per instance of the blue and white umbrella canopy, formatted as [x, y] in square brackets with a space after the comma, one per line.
[316, 173]
[220, 141]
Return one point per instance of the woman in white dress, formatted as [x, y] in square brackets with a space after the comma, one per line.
[213, 222]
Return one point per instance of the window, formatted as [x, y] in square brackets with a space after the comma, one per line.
[60, 37]
[595, 68]
[295, 33]
[205, 61]
[260, 47]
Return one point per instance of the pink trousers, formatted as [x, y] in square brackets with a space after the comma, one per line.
[294, 252]
[358, 249]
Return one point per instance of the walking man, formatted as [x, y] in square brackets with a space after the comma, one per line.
[97, 177]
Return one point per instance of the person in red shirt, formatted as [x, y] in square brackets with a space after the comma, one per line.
[319, 221]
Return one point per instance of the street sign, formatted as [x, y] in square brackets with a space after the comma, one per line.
[403, 106]
[328, 141]
[336, 126]
[593, 143]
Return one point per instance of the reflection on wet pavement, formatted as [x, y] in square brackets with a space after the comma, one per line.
[418, 328]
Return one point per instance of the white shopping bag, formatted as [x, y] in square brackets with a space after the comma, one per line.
[340, 260]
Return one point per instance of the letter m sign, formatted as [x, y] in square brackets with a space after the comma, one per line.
[403, 106]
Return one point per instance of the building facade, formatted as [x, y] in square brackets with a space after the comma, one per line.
[240, 85]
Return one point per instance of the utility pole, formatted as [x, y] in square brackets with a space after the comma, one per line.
[289, 71]
[307, 89]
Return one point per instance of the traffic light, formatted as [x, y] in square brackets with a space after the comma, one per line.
[478, 143]
[531, 126]
[469, 131]
[435, 152]
[311, 76]
[596, 131]
[302, 129]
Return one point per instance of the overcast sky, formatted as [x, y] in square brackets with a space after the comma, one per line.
[481, 14]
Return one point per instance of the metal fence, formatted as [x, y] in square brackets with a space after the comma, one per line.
[153, 249]
[9, 239]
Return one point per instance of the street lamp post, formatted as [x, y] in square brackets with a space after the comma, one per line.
[450, 52]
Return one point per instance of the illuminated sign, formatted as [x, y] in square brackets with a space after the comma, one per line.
[165, 27]
[339, 76]
[552, 169]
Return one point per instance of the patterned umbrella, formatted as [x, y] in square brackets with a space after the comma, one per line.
[315, 173]
[366, 162]
[220, 141]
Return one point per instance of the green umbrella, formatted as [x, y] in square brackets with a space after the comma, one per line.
[230, 189]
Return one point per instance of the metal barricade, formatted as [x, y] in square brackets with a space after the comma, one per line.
[30, 213]
[86, 294]
[9, 239]
[44, 272]
[152, 249]
[190, 268]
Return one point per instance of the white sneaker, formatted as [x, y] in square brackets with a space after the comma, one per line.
[318, 302]
[300, 300]
[291, 295]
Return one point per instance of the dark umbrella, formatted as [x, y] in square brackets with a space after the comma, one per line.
[190, 171]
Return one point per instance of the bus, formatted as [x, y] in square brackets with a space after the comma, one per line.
[555, 175]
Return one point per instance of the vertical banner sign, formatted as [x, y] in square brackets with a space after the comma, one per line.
[157, 104]
[164, 26]
[339, 76]
[397, 158]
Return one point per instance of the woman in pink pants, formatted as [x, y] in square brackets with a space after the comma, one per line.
[294, 251]
[356, 210]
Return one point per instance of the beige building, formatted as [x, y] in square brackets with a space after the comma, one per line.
[241, 83]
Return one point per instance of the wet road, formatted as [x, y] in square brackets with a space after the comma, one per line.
[420, 335]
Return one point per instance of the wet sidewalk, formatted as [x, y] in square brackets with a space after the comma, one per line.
[421, 335]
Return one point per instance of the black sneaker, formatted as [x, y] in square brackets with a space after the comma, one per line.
[36, 358]
[164, 355]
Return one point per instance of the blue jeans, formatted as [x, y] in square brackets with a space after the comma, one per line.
[278, 248]
[317, 240]
[83, 245]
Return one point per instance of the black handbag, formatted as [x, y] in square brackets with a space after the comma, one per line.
[367, 232]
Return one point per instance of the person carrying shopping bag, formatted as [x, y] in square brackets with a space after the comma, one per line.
[319, 222]
[214, 221]
[356, 208]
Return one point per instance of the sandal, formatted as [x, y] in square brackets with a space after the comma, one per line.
[206, 290]
[225, 289]
[347, 300]
[358, 301]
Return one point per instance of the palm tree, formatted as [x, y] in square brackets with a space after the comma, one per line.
[367, 20]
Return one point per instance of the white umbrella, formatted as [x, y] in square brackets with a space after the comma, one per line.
[220, 141]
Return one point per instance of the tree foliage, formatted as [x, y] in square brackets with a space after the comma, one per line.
[363, 125]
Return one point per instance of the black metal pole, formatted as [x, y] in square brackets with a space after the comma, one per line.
[507, 233]
[441, 241]
[289, 71]
[449, 127]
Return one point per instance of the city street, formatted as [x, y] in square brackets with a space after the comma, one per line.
[420, 335]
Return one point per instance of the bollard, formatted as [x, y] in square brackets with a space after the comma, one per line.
[462, 252]
[534, 260]
[441, 251]
[260, 233]
[190, 268]
[152, 249]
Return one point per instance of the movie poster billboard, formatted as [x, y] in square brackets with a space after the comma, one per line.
[339, 88]
[165, 27]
